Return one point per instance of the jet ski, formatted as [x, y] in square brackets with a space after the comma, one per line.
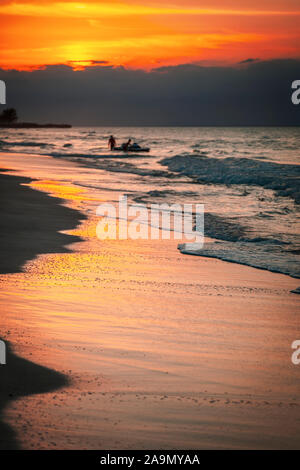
[132, 148]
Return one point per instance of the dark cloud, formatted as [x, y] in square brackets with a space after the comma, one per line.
[90, 62]
[257, 94]
[248, 61]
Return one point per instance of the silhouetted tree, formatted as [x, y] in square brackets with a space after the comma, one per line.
[9, 115]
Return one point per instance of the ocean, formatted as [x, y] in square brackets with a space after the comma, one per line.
[247, 179]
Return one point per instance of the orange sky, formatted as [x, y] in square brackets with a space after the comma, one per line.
[146, 33]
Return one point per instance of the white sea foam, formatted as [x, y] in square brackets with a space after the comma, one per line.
[283, 178]
[258, 255]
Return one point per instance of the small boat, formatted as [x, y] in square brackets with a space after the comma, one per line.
[132, 148]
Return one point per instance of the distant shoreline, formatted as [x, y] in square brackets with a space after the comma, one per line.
[33, 125]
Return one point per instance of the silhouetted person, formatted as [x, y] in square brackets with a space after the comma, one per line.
[126, 145]
[111, 142]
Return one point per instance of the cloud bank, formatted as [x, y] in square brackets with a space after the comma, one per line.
[253, 93]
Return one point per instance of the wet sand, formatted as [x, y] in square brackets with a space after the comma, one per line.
[19, 378]
[29, 225]
[161, 350]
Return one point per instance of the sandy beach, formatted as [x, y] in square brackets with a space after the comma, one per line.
[131, 344]
[149, 231]
[30, 224]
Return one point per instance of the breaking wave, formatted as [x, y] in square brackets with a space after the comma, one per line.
[260, 255]
[284, 179]
[6, 143]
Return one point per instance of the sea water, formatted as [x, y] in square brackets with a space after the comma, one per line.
[247, 179]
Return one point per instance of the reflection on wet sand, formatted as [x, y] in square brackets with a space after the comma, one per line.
[18, 378]
[30, 222]
[163, 350]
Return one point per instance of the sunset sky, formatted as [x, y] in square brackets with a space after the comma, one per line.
[146, 33]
